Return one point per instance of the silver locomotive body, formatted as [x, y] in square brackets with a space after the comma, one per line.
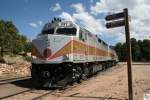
[65, 51]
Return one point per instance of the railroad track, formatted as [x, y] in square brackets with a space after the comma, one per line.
[5, 81]
[30, 90]
[13, 94]
[47, 93]
[33, 94]
[40, 96]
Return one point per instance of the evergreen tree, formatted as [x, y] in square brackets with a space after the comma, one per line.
[140, 50]
[10, 39]
[135, 50]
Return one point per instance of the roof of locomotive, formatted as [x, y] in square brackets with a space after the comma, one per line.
[57, 22]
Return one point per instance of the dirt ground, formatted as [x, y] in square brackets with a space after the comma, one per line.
[111, 84]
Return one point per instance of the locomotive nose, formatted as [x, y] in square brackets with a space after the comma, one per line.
[47, 52]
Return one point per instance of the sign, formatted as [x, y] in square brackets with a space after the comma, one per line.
[114, 16]
[115, 24]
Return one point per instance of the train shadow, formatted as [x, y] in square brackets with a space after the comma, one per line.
[25, 83]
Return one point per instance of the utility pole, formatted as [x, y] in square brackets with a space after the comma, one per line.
[117, 20]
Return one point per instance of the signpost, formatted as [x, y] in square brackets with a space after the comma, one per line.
[115, 24]
[117, 20]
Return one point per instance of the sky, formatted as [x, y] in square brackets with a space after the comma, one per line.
[29, 16]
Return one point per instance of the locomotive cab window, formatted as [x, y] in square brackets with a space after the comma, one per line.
[48, 31]
[67, 31]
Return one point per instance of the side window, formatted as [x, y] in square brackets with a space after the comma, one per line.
[81, 35]
[85, 36]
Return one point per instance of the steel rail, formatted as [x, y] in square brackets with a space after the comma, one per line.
[4, 97]
[5, 81]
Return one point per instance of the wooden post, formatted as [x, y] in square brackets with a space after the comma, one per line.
[129, 56]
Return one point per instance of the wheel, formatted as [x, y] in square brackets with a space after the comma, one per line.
[85, 73]
[77, 74]
[103, 66]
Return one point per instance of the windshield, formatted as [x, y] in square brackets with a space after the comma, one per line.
[48, 31]
[66, 31]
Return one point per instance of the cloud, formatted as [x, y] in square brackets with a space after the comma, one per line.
[78, 7]
[112, 6]
[94, 25]
[66, 16]
[35, 24]
[56, 7]
[89, 22]
[91, 1]
[138, 10]
[85, 19]
[40, 22]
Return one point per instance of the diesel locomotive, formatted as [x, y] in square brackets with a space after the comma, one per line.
[65, 52]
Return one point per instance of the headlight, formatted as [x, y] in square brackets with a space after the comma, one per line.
[34, 57]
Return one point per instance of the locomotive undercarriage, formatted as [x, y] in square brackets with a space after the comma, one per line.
[51, 75]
